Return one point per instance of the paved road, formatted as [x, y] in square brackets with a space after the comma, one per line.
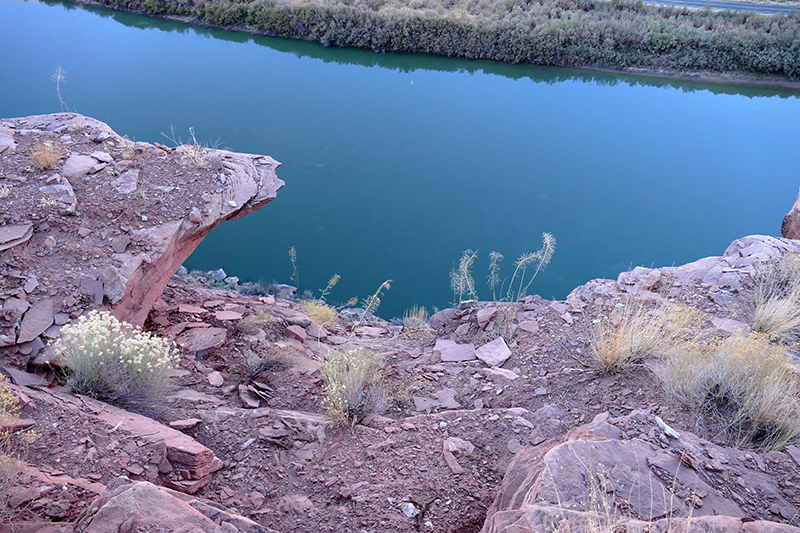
[723, 4]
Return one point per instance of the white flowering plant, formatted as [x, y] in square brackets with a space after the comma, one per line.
[114, 361]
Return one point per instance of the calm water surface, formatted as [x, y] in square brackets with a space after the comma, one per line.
[394, 164]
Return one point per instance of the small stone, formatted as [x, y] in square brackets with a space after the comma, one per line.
[196, 217]
[296, 332]
[231, 203]
[484, 316]
[103, 157]
[215, 379]
[120, 243]
[185, 424]
[514, 445]
[50, 242]
[84, 232]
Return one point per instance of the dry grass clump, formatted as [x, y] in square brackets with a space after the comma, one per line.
[775, 303]
[743, 389]
[13, 447]
[115, 362]
[250, 324]
[415, 323]
[320, 312]
[634, 331]
[354, 384]
[45, 156]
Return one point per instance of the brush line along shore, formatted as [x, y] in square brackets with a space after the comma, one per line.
[615, 35]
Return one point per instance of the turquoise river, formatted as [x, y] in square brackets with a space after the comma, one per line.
[395, 164]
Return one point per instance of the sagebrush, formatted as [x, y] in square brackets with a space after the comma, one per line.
[354, 384]
[115, 362]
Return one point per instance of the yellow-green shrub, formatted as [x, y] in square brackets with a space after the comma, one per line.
[354, 384]
[114, 361]
[320, 312]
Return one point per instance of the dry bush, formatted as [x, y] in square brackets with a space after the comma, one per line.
[320, 312]
[775, 303]
[415, 323]
[115, 362]
[743, 390]
[250, 324]
[634, 331]
[354, 384]
[5, 190]
[45, 156]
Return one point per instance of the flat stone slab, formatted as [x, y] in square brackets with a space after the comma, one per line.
[78, 165]
[13, 235]
[36, 321]
[494, 353]
[452, 352]
[201, 341]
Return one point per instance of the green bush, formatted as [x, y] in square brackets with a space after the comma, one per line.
[115, 362]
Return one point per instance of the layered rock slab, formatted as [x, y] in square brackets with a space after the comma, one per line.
[142, 506]
[598, 477]
[105, 222]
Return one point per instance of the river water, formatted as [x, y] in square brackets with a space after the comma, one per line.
[395, 164]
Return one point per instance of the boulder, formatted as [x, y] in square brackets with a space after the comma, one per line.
[790, 228]
[598, 476]
[142, 506]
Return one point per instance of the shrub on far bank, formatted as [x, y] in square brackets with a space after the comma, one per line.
[743, 391]
[115, 362]
[354, 384]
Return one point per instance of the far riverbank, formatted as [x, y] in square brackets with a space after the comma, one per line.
[620, 36]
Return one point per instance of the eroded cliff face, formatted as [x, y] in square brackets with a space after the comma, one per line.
[93, 220]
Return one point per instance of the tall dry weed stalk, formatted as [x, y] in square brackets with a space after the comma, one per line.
[461, 280]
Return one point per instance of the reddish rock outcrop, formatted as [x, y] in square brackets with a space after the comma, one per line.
[92, 219]
[790, 227]
[601, 479]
